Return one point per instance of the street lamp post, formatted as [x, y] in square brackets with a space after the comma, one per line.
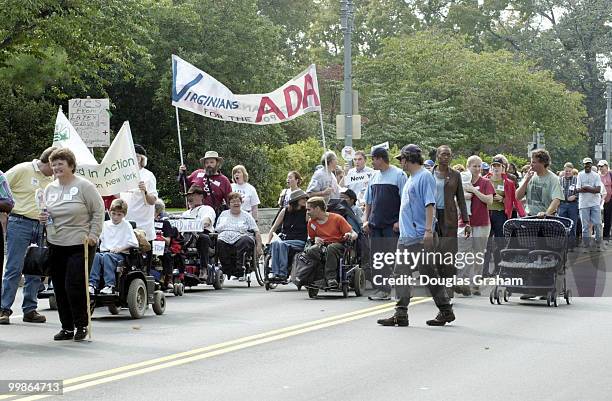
[608, 129]
[346, 18]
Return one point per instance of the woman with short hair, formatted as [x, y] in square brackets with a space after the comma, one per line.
[75, 213]
[240, 184]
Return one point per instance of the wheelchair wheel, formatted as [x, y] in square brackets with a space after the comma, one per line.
[359, 281]
[159, 302]
[181, 291]
[259, 268]
[313, 292]
[137, 298]
[52, 302]
[113, 309]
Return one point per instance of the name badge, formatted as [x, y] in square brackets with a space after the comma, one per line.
[572, 187]
[52, 198]
[35, 182]
[200, 175]
[67, 197]
[74, 191]
[500, 187]
[313, 226]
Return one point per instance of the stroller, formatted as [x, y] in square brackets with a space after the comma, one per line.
[533, 260]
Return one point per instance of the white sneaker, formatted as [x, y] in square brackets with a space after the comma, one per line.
[107, 290]
[92, 290]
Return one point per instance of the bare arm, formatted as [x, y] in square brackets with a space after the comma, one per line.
[276, 224]
[552, 208]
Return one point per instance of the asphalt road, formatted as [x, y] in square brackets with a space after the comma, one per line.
[246, 344]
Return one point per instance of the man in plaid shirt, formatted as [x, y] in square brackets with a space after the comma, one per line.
[569, 204]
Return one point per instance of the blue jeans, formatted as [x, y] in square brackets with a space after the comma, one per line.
[590, 215]
[570, 210]
[280, 254]
[106, 262]
[19, 234]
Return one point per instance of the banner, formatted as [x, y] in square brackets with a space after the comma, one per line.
[198, 92]
[118, 171]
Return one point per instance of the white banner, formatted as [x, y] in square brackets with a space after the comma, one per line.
[118, 171]
[198, 92]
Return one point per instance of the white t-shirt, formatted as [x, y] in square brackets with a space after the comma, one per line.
[321, 180]
[249, 195]
[117, 236]
[231, 228]
[138, 210]
[357, 181]
[204, 213]
[587, 199]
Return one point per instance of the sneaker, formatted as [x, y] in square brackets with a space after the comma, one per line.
[442, 318]
[380, 295]
[64, 335]
[333, 283]
[400, 320]
[81, 333]
[34, 317]
[108, 290]
[92, 290]
[4, 317]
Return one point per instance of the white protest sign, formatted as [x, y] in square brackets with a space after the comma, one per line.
[348, 153]
[198, 92]
[384, 145]
[158, 247]
[187, 225]
[118, 171]
[91, 120]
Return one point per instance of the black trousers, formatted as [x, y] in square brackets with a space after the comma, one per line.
[232, 255]
[68, 273]
[203, 245]
[447, 243]
[607, 219]
[438, 292]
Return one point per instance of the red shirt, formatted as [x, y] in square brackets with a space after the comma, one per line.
[480, 213]
[331, 231]
[215, 193]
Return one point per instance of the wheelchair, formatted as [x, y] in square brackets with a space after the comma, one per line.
[272, 283]
[350, 276]
[48, 293]
[187, 265]
[136, 289]
[250, 264]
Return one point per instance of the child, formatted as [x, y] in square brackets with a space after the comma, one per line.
[117, 237]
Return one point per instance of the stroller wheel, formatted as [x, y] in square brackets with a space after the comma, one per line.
[492, 296]
[499, 297]
[506, 296]
[549, 298]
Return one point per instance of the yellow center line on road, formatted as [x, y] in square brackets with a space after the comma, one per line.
[182, 358]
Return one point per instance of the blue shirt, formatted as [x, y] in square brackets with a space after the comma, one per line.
[440, 181]
[384, 196]
[419, 192]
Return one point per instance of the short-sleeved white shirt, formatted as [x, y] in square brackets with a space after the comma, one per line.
[231, 228]
[587, 199]
[249, 195]
[203, 213]
[139, 211]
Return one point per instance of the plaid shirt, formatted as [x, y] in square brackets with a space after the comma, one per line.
[566, 184]
[5, 190]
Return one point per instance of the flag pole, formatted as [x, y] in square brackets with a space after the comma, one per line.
[323, 136]
[178, 129]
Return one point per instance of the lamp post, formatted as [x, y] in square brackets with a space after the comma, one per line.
[608, 129]
[346, 20]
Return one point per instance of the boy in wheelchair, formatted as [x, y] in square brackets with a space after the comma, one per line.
[116, 240]
[238, 237]
[327, 232]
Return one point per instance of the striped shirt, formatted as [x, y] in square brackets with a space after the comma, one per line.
[5, 190]
[568, 186]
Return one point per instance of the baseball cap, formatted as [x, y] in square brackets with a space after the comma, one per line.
[602, 163]
[380, 152]
[484, 166]
[412, 148]
[429, 163]
[587, 160]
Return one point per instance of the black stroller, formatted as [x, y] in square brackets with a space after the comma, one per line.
[533, 260]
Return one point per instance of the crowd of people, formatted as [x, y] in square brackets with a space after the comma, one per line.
[396, 208]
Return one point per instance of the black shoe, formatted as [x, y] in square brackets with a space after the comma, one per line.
[64, 335]
[442, 318]
[81, 333]
[333, 283]
[395, 320]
